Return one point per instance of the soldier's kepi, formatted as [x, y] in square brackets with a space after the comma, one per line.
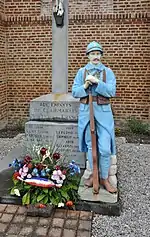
[95, 84]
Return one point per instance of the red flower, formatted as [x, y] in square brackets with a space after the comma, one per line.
[43, 151]
[39, 166]
[56, 156]
[40, 205]
[57, 167]
[64, 172]
[15, 175]
[27, 159]
[69, 204]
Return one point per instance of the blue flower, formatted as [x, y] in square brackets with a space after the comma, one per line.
[47, 170]
[43, 173]
[35, 172]
[15, 164]
[74, 169]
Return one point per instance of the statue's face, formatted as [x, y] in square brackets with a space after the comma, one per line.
[94, 57]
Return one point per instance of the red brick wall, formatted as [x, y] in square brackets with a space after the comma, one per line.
[33, 7]
[130, 6]
[22, 7]
[120, 26]
[90, 6]
[3, 82]
[2, 6]
[29, 65]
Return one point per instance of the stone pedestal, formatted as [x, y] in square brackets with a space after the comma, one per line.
[54, 107]
[53, 118]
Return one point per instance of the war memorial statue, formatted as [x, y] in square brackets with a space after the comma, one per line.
[99, 81]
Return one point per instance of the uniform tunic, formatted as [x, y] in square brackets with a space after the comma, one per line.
[102, 113]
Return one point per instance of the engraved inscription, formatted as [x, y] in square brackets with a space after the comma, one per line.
[54, 110]
[65, 135]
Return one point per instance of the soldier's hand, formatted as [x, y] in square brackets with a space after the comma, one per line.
[87, 84]
[92, 79]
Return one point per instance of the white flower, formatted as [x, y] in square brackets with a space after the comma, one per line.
[23, 175]
[59, 172]
[44, 157]
[58, 185]
[47, 153]
[38, 152]
[59, 181]
[55, 172]
[25, 169]
[29, 176]
[16, 191]
[63, 177]
[61, 204]
[55, 177]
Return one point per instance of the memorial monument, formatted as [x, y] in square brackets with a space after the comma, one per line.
[55, 114]
[53, 117]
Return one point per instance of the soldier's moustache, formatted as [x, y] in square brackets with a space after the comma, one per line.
[94, 57]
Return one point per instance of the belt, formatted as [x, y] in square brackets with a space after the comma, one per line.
[101, 100]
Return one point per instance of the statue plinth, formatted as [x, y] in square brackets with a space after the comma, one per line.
[54, 117]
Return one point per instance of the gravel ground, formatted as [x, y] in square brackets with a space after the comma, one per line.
[134, 185]
[7, 144]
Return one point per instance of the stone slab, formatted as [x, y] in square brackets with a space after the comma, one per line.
[86, 194]
[110, 209]
[54, 107]
[65, 135]
[5, 186]
[6, 175]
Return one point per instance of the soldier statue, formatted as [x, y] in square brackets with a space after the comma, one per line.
[101, 81]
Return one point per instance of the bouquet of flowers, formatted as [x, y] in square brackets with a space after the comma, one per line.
[44, 178]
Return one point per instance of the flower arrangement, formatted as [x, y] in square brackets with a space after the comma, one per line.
[44, 178]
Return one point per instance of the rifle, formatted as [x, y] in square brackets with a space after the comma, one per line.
[94, 145]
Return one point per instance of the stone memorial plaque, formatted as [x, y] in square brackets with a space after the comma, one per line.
[65, 134]
[54, 107]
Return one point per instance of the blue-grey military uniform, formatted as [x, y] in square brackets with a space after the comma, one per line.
[103, 116]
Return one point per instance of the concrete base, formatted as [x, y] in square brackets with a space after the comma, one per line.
[86, 194]
[103, 203]
[5, 186]
[98, 208]
[110, 209]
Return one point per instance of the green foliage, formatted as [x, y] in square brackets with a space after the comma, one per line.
[33, 194]
[20, 124]
[26, 198]
[137, 126]
[117, 131]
